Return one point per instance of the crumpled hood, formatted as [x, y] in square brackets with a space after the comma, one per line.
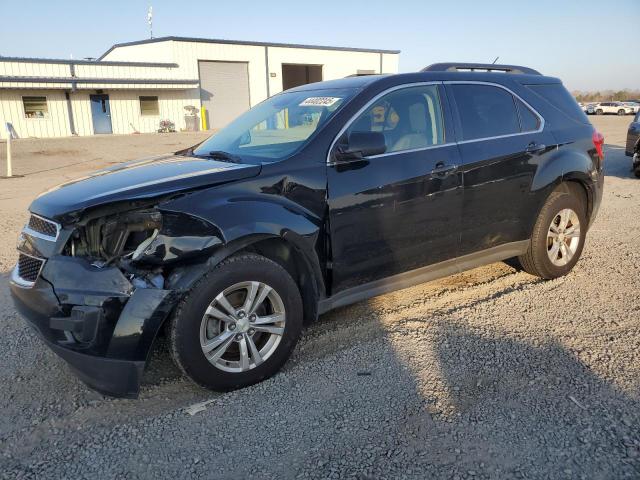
[139, 179]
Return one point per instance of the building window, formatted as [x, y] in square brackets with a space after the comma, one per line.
[149, 106]
[35, 107]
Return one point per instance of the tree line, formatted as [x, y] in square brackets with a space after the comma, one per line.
[606, 96]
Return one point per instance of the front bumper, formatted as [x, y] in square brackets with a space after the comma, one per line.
[93, 319]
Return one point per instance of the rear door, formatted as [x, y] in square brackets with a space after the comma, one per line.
[502, 142]
[400, 210]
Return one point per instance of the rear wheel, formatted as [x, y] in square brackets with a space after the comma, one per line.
[558, 236]
[238, 325]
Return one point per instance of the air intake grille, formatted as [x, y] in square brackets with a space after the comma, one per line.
[29, 267]
[43, 226]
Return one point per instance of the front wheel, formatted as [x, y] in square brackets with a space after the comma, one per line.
[599, 111]
[558, 236]
[238, 325]
[621, 112]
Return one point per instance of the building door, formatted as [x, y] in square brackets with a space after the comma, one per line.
[224, 91]
[294, 75]
[101, 113]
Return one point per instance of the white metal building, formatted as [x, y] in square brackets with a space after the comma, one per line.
[133, 86]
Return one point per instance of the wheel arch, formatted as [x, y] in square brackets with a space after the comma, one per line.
[568, 169]
[298, 265]
[302, 265]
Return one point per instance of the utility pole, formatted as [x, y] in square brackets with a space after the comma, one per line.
[150, 21]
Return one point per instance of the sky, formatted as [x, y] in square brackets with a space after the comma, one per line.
[590, 45]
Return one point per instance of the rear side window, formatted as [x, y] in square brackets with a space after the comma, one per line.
[560, 98]
[529, 122]
[485, 111]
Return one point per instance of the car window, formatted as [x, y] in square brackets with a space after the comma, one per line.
[409, 118]
[560, 99]
[485, 111]
[529, 122]
[277, 127]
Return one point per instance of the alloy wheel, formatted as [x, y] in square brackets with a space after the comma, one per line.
[242, 327]
[563, 237]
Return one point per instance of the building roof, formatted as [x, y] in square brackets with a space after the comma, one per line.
[243, 42]
[107, 63]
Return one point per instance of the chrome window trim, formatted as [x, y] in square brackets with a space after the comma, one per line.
[412, 150]
[491, 84]
[445, 82]
[15, 274]
[29, 231]
[355, 116]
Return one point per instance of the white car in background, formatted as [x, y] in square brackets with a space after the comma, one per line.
[618, 108]
[635, 106]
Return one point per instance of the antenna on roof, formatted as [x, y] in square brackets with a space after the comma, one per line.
[493, 63]
[150, 21]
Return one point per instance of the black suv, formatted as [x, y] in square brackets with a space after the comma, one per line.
[318, 197]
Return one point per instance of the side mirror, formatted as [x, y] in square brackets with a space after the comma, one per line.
[360, 145]
[245, 139]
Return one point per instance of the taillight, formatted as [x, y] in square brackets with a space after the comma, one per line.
[598, 142]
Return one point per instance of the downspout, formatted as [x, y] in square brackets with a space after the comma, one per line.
[72, 123]
[266, 63]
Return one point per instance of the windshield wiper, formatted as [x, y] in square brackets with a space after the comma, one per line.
[225, 156]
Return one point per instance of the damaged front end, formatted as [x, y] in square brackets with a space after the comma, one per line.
[98, 289]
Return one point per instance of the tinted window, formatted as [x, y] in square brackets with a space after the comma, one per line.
[529, 122]
[485, 111]
[560, 98]
[409, 118]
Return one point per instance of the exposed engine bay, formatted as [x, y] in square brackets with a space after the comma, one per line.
[142, 243]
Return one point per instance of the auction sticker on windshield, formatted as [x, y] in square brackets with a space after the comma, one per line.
[319, 101]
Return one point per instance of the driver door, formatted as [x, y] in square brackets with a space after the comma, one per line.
[400, 210]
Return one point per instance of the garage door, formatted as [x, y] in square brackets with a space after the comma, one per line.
[224, 91]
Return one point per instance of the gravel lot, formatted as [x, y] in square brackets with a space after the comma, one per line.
[487, 374]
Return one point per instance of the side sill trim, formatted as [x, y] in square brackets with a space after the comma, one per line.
[422, 275]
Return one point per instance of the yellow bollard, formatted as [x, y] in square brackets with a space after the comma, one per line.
[203, 118]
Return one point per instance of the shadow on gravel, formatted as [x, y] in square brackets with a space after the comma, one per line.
[535, 410]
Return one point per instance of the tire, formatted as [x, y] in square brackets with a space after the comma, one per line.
[599, 111]
[537, 260]
[191, 331]
[621, 112]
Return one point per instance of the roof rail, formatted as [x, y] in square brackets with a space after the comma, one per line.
[454, 67]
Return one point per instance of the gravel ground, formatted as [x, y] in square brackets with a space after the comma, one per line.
[487, 374]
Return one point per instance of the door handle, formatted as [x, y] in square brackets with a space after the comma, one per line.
[443, 169]
[535, 147]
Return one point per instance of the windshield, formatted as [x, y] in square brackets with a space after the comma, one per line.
[277, 127]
